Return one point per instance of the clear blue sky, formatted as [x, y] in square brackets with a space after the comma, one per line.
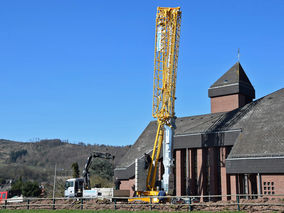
[82, 70]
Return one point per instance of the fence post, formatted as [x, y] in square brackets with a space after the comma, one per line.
[28, 204]
[189, 206]
[5, 206]
[114, 204]
[150, 203]
[82, 204]
[53, 206]
[238, 202]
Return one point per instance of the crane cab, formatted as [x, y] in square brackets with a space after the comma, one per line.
[74, 187]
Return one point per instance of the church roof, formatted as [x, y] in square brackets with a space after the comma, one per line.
[260, 146]
[234, 81]
[262, 131]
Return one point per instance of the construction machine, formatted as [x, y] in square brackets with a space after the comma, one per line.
[78, 187]
[167, 38]
[86, 173]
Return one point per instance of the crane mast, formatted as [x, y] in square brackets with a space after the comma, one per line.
[165, 72]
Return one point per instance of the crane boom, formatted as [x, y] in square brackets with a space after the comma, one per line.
[165, 68]
[165, 64]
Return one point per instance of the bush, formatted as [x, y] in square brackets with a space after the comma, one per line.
[103, 168]
[98, 181]
[28, 188]
[16, 189]
[31, 189]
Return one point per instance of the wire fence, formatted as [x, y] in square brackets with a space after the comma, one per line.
[237, 202]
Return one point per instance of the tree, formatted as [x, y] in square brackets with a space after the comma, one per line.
[103, 168]
[102, 173]
[28, 188]
[14, 155]
[16, 188]
[75, 168]
[31, 189]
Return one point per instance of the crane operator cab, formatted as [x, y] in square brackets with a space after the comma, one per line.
[74, 187]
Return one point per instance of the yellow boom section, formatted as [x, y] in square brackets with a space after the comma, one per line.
[165, 68]
[165, 64]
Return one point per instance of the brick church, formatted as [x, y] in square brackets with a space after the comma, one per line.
[236, 149]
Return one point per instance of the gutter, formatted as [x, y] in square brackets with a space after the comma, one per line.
[257, 158]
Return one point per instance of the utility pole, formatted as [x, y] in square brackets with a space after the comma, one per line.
[53, 194]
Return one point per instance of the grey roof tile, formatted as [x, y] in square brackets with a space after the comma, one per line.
[263, 129]
[261, 121]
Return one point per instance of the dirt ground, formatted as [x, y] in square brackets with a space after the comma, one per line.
[252, 205]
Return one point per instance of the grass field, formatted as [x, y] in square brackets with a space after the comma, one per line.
[84, 211]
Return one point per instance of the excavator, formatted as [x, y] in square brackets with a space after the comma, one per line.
[86, 173]
[167, 38]
[78, 187]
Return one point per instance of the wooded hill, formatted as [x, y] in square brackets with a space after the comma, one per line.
[36, 160]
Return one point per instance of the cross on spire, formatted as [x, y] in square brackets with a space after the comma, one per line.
[238, 54]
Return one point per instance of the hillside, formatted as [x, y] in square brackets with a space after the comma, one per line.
[36, 160]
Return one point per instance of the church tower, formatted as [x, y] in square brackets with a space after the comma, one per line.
[231, 91]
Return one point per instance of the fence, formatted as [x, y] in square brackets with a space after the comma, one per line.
[174, 203]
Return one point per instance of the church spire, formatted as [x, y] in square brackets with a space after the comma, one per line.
[233, 89]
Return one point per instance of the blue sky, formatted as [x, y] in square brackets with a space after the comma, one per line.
[82, 70]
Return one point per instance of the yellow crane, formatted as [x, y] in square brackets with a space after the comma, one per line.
[165, 71]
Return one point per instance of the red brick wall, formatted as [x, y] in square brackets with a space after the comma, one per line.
[128, 185]
[228, 102]
[180, 172]
[224, 103]
[201, 173]
[272, 184]
[234, 188]
[224, 178]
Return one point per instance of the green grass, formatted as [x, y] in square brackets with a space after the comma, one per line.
[87, 211]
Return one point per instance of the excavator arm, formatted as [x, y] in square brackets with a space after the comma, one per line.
[86, 174]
